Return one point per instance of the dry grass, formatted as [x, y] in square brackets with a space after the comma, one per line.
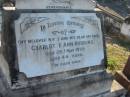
[117, 56]
[118, 50]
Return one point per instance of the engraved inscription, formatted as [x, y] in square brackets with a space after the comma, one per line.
[50, 43]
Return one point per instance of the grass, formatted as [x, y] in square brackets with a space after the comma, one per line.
[118, 51]
[117, 56]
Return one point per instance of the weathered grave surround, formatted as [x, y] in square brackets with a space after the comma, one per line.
[55, 48]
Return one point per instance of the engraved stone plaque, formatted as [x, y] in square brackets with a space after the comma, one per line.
[49, 43]
[56, 4]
